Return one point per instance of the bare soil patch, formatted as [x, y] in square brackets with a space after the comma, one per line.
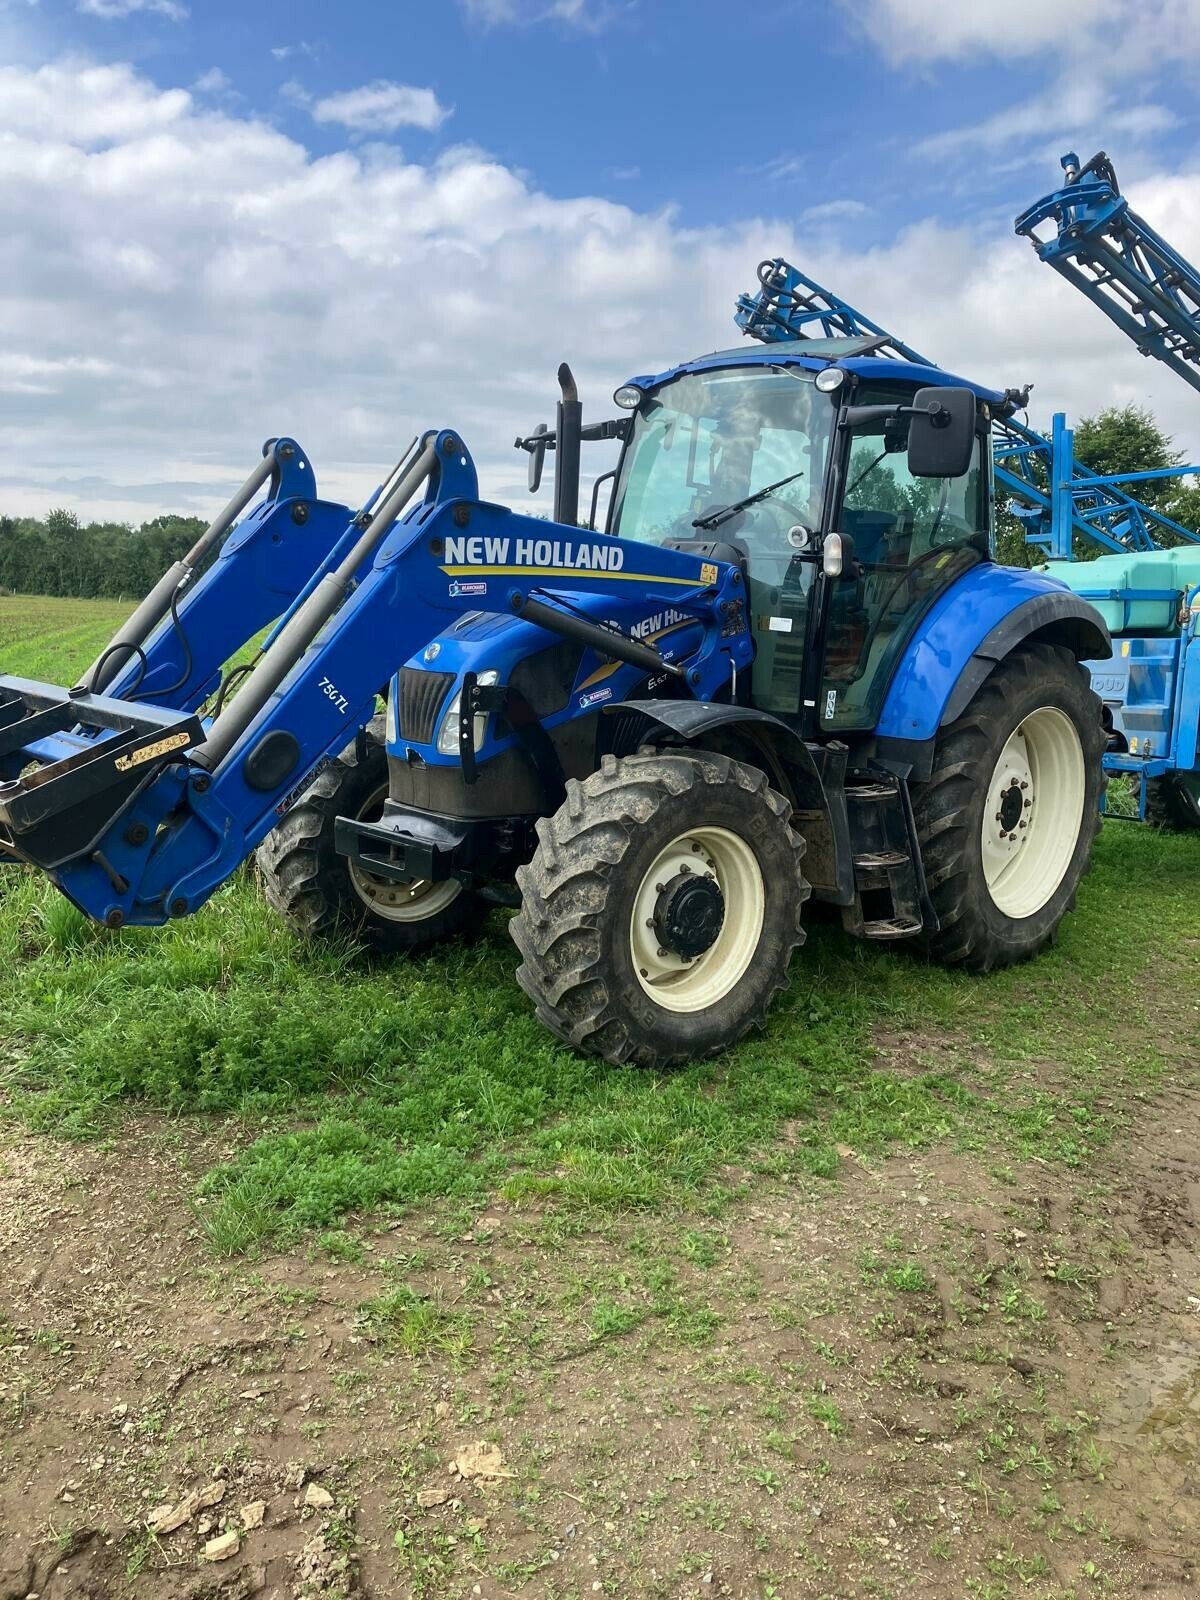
[925, 1376]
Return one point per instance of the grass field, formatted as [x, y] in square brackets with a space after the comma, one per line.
[316, 1109]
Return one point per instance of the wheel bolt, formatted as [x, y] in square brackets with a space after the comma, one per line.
[662, 952]
[997, 816]
[1028, 804]
[1024, 786]
[684, 868]
[658, 888]
[649, 922]
[695, 848]
[643, 972]
[1020, 824]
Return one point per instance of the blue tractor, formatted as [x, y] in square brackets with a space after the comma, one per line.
[788, 666]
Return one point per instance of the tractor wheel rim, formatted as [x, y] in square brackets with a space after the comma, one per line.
[1034, 812]
[674, 981]
[396, 902]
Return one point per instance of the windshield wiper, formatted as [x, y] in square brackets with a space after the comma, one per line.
[715, 518]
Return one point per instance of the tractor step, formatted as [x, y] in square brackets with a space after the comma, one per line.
[889, 899]
[58, 799]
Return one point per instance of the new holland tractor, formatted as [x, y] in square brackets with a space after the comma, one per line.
[788, 666]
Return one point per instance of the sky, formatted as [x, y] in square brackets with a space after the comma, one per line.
[349, 223]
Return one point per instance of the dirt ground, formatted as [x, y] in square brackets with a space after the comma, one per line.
[928, 1375]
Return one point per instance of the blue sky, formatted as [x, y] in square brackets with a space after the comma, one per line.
[360, 219]
[717, 109]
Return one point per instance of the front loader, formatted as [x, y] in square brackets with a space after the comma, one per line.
[789, 666]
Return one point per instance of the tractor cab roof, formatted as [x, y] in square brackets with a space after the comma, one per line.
[855, 354]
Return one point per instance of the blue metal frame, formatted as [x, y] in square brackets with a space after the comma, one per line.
[1117, 259]
[188, 830]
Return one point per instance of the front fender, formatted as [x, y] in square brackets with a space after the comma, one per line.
[817, 796]
[976, 623]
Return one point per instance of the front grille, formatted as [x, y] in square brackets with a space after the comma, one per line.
[421, 697]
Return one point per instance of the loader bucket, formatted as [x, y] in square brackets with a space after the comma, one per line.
[77, 761]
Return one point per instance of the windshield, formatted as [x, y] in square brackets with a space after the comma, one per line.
[707, 441]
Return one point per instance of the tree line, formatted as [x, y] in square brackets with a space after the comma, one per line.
[59, 555]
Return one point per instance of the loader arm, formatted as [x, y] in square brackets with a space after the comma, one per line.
[150, 809]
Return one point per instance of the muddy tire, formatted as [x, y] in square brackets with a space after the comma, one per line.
[1008, 816]
[1166, 807]
[318, 892]
[661, 909]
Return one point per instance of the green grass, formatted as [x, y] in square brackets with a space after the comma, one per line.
[360, 1087]
[52, 639]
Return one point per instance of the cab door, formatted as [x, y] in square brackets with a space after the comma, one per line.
[912, 537]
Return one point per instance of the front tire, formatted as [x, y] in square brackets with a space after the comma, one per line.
[318, 892]
[1008, 816]
[661, 909]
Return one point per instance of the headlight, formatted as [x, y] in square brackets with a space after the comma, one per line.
[448, 736]
[628, 397]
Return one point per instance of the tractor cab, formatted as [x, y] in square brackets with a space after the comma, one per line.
[798, 464]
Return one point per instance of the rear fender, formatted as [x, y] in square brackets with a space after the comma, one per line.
[978, 622]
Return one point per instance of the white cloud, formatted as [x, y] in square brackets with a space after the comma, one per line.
[85, 105]
[589, 15]
[834, 211]
[302, 47]
[929, 30]
[178, 283]
[1072, 41]
[382, 107]
[113, 10]
[214, 81]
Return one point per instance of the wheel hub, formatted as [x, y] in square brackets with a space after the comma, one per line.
[1012, 804]
[696, 918]
[689, 914]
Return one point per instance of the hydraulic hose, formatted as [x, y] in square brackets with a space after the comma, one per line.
[134, 633]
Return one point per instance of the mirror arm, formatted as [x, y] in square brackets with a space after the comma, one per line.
[856, 416]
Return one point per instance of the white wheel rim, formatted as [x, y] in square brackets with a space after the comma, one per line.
[1034, 812]
[672, 981]
[397, 902]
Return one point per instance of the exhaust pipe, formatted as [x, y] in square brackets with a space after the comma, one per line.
[566, 450]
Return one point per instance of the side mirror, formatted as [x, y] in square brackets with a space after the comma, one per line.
[537, 456]
[941, 435]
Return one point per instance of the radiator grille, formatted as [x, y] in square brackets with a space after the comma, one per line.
[421, 697]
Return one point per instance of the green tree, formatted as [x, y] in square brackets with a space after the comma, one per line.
[1116, 439]
[1128, 439]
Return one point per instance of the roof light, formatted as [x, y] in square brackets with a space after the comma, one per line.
[830, 379]
[628, 397]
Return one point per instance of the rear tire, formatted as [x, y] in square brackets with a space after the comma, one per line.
[661, 909]
[1008, 816]
[318, 892]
